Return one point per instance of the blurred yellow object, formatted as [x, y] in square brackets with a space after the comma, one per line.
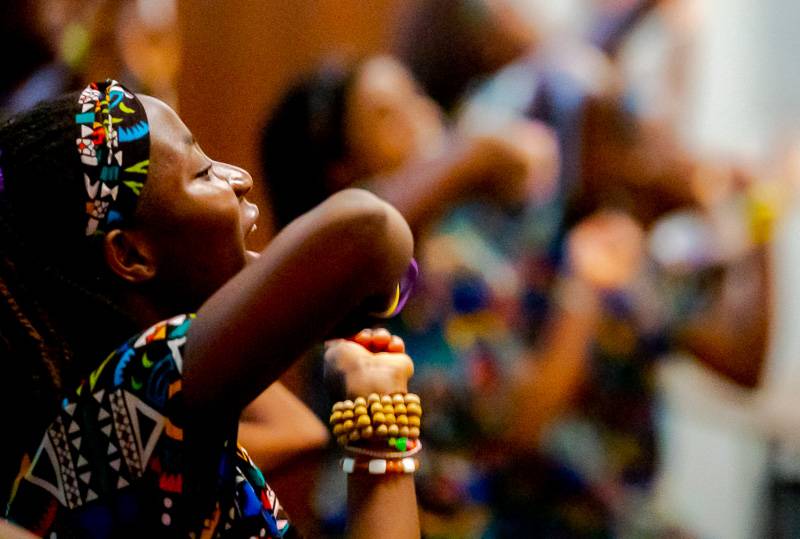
[765, 204]
[463, 331]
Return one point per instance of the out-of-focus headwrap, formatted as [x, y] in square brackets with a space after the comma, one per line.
[114, 146]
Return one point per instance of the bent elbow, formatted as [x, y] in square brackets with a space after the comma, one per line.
[381, 236]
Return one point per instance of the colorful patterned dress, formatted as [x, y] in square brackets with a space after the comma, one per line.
[112, 463]
[486, 293]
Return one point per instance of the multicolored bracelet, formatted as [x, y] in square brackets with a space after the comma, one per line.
[379, 466]
[396, 418]
[415, 448]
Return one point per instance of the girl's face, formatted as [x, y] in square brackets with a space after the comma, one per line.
[388, 120]
[193, 210]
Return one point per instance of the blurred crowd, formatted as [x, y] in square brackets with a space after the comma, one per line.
[603, 194]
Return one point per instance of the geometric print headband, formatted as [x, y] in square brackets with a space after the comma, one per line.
[114, 146]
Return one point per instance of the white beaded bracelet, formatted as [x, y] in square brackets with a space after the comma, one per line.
[380, 466]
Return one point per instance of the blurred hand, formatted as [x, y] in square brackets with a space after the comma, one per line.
[519, 163]
[606, 249]
[374, 361]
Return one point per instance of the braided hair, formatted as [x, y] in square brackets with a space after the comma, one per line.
[58, 313]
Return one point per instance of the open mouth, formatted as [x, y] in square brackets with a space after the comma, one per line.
[250, 215]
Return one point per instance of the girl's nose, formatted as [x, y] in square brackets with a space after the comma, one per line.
[237, 177]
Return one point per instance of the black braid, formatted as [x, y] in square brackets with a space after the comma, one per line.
[58, 316]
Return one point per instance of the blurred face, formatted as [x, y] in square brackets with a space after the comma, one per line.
[389, 121]
[193, 211]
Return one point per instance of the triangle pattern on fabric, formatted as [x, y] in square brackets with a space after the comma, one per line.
[175, 347]
[146, 424]
[46, 471]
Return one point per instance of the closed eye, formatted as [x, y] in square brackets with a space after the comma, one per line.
[204, 173]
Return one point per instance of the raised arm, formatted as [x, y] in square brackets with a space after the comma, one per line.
[379, 505]
[333, 264]
[506, 168]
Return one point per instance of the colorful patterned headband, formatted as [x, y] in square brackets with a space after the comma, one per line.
[114, 145]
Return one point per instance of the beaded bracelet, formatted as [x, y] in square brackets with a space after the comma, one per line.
[416, 448]
[396, 418]
[379, 466]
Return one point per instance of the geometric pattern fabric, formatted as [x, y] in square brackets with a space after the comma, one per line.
[111, 463]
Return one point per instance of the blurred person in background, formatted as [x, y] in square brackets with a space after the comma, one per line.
[617, 154]
[451, 45]
[500, 374]
[37, 69]
[60, 45]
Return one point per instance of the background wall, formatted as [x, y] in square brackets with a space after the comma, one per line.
[239, 56]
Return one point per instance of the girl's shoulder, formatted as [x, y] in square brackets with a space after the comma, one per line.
[144, 362]
[117, 437]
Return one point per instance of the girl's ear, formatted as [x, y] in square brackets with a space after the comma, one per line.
[129, 255]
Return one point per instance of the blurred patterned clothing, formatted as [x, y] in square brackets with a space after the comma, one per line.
[484, 296]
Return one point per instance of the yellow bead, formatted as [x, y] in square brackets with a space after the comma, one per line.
[360, 401]
[338, 407]
[347, 414]
[388, 409]
[342, 440]
[402, 420]
[411, 397]
[397, 398]
[414, 409]
[390, 419]
[394, 430]
[338, 429]
[373, 397]
[336, 416]
[400, 409]
[360, 410]
[386, 399]
[354, 436]
[348, 404]
[378, 418]
[367, 433]
[413, 432]
[414, 421]
[375, 408]
[363, 421]
[347, 426]
[404, 432]
[382, 431]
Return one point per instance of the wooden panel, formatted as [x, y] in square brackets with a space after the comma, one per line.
[239, 56]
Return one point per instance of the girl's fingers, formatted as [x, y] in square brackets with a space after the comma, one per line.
[380, 339]
[364, 338]
[396, 345]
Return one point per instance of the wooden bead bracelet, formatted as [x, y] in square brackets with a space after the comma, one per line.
[391, 417]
